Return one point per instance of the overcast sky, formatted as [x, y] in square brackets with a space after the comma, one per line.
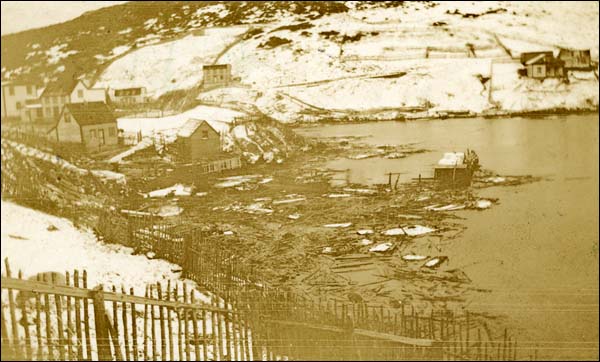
[22, 15]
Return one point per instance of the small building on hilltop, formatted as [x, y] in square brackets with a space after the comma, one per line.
[542, 65]
[216, 75]
[70, 90]
[198, 142]
[14, 98]
[91, 124]
[128, 96]
[576, 59]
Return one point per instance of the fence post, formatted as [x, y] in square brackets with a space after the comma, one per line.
[102, 337]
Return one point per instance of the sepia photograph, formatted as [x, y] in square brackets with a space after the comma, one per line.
[299, 180]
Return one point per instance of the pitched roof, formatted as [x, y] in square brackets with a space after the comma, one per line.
[62, 87]
[536, 59]
[91, 113]
[191, 126]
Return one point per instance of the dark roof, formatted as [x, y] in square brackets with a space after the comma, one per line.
[215, 66]
[62, 87]
[525, 56]
[91, 113]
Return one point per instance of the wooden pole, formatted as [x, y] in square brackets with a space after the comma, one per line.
[102, 338]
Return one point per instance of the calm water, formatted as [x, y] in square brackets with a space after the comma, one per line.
[538, 249]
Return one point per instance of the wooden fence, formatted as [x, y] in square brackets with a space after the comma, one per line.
[303, 322]
[47, 320]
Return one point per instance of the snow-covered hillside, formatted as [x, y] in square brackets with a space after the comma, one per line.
[171, 65]
[374, 60]
[312, 61]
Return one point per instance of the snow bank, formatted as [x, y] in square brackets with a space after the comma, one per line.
[69, 248]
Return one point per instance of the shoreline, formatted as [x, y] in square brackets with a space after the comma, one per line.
[496, 114]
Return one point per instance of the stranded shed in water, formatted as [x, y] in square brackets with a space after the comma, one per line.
[456, 168]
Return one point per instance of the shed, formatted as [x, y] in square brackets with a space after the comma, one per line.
[198, 140]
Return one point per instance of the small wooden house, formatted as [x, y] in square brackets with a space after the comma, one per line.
[216, 75]
[65, 91]
[91, 124]
[542, 65]
[128, 96]
[198, 140]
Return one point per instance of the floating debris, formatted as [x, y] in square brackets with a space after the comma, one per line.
[382, 247]
[340, 225]
[450, 207]
[495, 180]
[366, 242]
[413, 230]
[327, 250]
[361, 191]
[228, 232]
[483, 204]
[395, 155]
[335, 196]
[294, 216]
[435, 262]
[412, 257]
[364, 232]
[289, 201]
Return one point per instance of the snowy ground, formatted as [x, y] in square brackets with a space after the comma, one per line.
[69, 248]
[32, 248]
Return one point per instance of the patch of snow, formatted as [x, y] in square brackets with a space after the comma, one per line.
[175, 190]
[56, 54]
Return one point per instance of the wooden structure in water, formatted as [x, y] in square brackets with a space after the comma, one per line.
[456, 169]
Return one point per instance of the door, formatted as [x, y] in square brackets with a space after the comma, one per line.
[101, 139]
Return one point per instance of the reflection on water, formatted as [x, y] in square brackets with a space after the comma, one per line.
[538, 249]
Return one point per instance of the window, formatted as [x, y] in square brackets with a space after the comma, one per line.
[111, 131]
[18, 106]
[80, 93]
[11, 90]
[92, 133]
[56, 111]
[39, 113]
[205, 134]
[29, 90]
[53, 99]
[48, 112]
